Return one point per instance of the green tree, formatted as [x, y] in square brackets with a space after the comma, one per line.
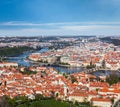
[73, 79]
[103, 64]
[113, 78]
[91, 63]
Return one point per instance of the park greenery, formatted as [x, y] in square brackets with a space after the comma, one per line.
[39, 101]
[13, 51]
[91, 65]
[73, 79]
[113, 78]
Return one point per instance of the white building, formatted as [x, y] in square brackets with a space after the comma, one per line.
[8, 64]
[100, 102]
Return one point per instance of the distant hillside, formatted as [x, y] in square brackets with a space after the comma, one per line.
[111, 40]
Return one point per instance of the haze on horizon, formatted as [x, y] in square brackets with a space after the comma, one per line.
[59, 17]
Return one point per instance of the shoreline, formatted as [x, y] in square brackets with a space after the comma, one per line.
[52, 64]
[68, 66]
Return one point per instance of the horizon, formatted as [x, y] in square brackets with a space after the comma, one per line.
[59, 17]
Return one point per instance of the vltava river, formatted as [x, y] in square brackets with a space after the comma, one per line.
[21, 60]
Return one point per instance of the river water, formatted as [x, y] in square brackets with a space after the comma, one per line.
[21, 61]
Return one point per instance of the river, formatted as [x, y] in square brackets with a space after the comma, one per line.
[21, 60]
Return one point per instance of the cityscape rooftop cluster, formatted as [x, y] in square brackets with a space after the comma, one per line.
[77, 56]
[17, 80]
[48, 82]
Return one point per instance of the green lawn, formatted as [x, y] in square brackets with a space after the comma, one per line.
[40, 101]
[47, 103]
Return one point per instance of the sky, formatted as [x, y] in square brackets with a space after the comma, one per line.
[59, 17]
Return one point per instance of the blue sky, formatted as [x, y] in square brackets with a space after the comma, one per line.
[59, 17]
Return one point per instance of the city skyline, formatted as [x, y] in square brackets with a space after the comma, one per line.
[59, 17]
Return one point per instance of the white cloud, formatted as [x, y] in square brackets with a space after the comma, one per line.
[21, 23]
[62, 28]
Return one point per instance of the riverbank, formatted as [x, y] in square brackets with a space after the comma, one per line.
[22, 60]
[15, 51]
[51, 64]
